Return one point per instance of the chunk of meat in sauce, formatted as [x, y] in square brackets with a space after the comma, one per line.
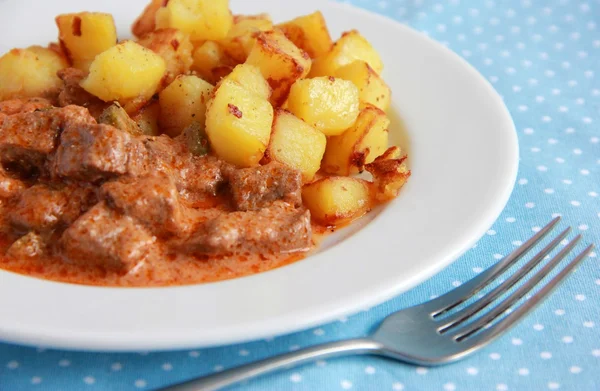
[152, 200]
[73, 94]
[257, 187]
[26, 139]
[41, 208]
[31, 245]
[280, 228]
[93, 152]
[22, 105]
[103, 237]
[10, 187]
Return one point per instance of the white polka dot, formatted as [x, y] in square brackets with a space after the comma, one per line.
[64, 363]
[295, 378]
[370, 370]
[477, 269]
[397, 386]
[140, 383]
[346, 385]
[583, 227]
[456, 283]
[579, 101]
[596, 352]
[535, 149]
[517, 243]
[539, 99]
[491, 232]
[495, 356]
[501, 387]
[559, 312]
[194, 353]
[517, 341]
[530, 205]
[577, 151]
[528, 131]
[538, 327]
[319, 332]
[542, 168]
[472, 371]
[571, 83]
[575, 203]
[523, 371]
[546, 118]
[167, 366]
[89, 380]
[567, 339]
[546, 355]
[560, 160]
[36, 380]
[449, 387]
[555, 215]
[421, 371]
[516, 88]
[552, 141]
[12, 365]
[523, 108]
[575, 369]
[115, 367]
[593, 194]
[549, 191]
[293, 348]
[589, 324]
[218, 368]
[584, 172]
[343, 319]
[498, 256]
[553, 386]
[555, 91]
[567, 181]
[321, 363]
[243, 353]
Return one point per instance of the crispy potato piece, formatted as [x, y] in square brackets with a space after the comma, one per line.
[125, 72]
[373, 90]
[147, 119]
[390, 174]
[309, 33]
[85, 35]
[211, 62]
[146, 22]
[249, 77]
[328, 104]
[349, 48]
[361, 144]
[280, 62]
[203, 20]
[30, 72]
[337, 200]
[296, 144]
[238, 124]
[241, 37]
[183, 102]
[174, 47]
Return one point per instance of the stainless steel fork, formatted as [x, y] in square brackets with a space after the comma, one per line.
[430, 334]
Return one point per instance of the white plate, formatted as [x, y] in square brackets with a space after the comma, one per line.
[464, 158]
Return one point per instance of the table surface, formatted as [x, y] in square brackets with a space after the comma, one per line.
[543, 57]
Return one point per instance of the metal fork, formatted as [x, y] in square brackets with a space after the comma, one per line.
[421, 334]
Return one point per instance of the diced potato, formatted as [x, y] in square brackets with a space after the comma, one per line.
[240, 39]
[203, 20]
[183, 102]
[328, 104]
[361, 144]
[349, 48]
[390, 173]
[238, 124]
[174, 47]
[280, 62]
[309, 33]
[30, 72]
[147, 119]
[124, 72]
[337, 200]
[85, 35]
[249, 77]
[296, 144]
[146, 22]
[373, 90]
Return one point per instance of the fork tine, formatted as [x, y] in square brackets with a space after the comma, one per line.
[501, 308]
[480, 304]
[467, 290]
[499, 328]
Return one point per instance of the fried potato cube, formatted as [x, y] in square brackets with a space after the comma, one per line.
[337, 200]
[249, 77]
[124, 72]
[146, 22]
[211, 62]
[183, 102]
[174, 47]
[203, 20]
[309, 33]
[352, 46]
[372, 89]
[85, 35]
[390, 174]
[238, 124]
[296, 144]
[30, 72]
[241, 39]
[328, 104]
[366, 140]
[280, 62]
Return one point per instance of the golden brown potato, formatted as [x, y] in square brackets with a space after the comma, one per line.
[373, 90]
[366, 140]
[183, 102]
[30, 72]
[352, 46]
[249, 77]
[146, 22]
[326, 103]
[174, 47]
[125, 72]
[309, 33]
[211, 62]
[203, 20]
[241, 37]
[296, 144]
[238, 124]
[390, 173]
[337, 200]
[85, 35]
[280, 62]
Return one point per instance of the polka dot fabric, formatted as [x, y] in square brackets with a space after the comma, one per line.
[543, 57]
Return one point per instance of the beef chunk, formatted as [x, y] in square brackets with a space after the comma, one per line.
[152, 200]
[73, 94]
[9, 187]
[257, 187]
[31, 245]
[279, 228]
[103, 237]
[23, 105]
[41, 208]
[92, 152]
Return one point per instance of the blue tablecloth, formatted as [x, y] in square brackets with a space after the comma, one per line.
[543, 57]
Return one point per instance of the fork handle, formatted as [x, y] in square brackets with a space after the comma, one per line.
[231, 376]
